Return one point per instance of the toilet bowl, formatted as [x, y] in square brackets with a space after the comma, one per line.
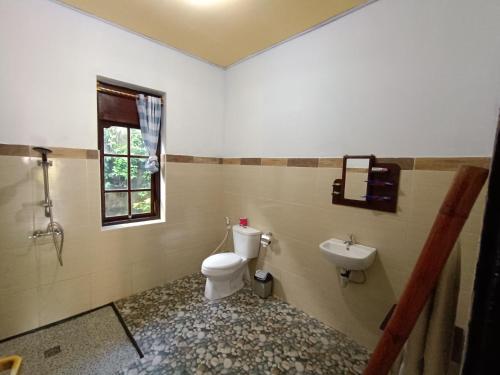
[226, 272]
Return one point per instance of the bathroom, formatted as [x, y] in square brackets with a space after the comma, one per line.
[254, 122]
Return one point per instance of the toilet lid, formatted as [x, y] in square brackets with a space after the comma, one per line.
[222, 261]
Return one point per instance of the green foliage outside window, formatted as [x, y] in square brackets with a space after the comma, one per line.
[116, 168]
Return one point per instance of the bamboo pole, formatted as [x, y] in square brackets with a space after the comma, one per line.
[424, 278]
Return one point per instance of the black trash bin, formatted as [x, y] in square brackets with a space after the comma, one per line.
[263, 283]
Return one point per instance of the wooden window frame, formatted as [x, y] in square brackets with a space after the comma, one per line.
[128, 121]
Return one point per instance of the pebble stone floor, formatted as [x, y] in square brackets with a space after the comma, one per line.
[180, 332]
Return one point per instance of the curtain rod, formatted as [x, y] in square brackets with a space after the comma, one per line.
[120, 93]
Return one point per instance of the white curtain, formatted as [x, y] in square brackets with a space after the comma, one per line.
[149, 109]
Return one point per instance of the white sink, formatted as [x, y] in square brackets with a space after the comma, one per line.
[350, 257]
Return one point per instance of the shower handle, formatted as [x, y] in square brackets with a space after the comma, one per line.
[38, 233]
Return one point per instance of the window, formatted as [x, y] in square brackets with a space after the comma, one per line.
[129, 193]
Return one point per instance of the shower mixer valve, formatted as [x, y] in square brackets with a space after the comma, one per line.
[38, 233]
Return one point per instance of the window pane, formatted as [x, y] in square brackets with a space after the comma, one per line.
[141, 202]
[136, 143]
[139, 177]
[115, 173]
[115, 140]
[116, 204]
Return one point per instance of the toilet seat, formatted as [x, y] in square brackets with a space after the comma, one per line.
[220, 264]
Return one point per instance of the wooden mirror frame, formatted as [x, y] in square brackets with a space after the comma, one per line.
[381, 188]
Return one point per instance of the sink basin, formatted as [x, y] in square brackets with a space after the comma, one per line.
[353, 257]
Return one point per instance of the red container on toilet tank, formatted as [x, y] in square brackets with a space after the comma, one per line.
[243, 222]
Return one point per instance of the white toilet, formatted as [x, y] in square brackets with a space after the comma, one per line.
[226, 272]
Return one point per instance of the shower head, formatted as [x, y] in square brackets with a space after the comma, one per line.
[44, 151]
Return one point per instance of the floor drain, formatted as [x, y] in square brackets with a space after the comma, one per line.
[52, 351]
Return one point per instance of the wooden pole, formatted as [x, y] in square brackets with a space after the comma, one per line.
[424, 278]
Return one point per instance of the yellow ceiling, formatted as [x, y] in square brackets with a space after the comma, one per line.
[220, 31]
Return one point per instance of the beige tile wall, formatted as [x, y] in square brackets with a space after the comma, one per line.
[292, 202]
[295, 204]
[99, 266]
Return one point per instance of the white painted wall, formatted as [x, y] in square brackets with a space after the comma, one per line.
[50, 57]
[399, 77]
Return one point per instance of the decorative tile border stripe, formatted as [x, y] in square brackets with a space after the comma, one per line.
[251, 161]
[330, 162]
[235, 161]
[207, 160]
[72, 153]
[303, 162]
[450, 164]
[192, 159]
[14, 150]
[180, 158]
[274, 162]
[57, 152]
[406, 163]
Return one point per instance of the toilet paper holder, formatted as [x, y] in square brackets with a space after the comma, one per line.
[265, 239]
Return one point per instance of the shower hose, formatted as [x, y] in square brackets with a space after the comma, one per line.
[228, 229]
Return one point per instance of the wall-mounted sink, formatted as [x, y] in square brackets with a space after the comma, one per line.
[348, 256]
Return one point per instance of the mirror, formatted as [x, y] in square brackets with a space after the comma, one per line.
[356, 177]
[367, 183]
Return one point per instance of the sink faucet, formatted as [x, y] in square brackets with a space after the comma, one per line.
[350, 241]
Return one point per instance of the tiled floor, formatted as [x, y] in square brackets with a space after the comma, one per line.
[180, 332]
[94, 343]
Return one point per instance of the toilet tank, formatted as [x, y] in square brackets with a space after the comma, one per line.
[246, 241]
